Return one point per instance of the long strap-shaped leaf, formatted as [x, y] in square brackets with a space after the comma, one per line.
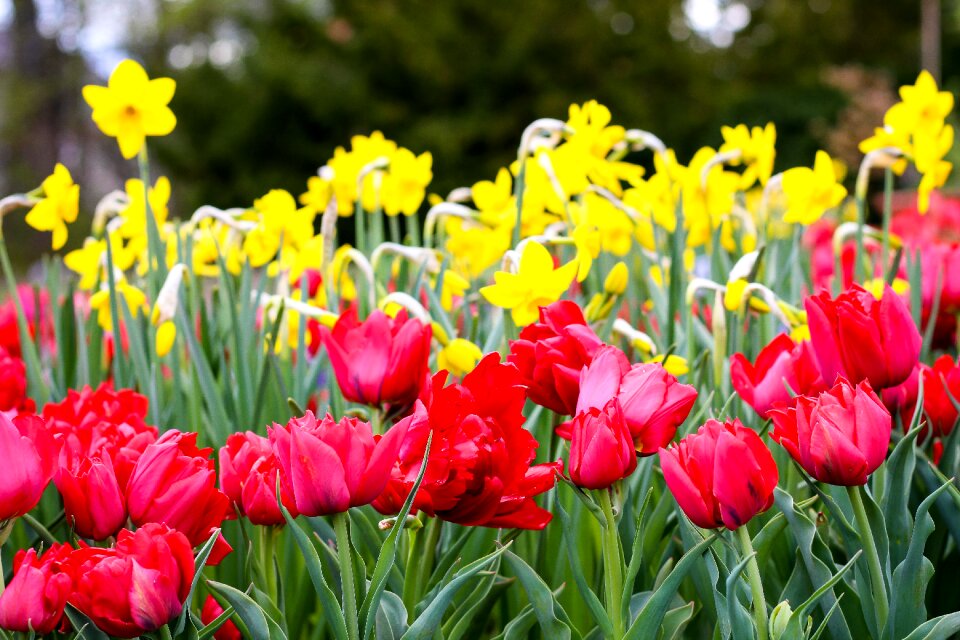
[545, 606]
[331, 608]
[424, 627]
[388, 553]
[650, 616]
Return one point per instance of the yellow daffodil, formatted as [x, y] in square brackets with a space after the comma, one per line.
[134, 215]
[133, 297]
[166, 336]
[809, 193]
[340, 276]
[90, 261]
[475, 247]
[536, 283]
[708, 200]
[459, 357]
[675, 365]
[454, 285]
[405, 184]
[317, 195]
[929, 150]
[923, 107]
[757, 151]
[587, 239]
[59, 206]
[132, 106]
[614, 226]
[616, 281]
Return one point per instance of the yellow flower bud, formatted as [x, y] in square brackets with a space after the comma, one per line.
[459, 357]
[779, 619]
[800, 333]
[616, 281]
[440, 334]
[675, 365]
[166, 335]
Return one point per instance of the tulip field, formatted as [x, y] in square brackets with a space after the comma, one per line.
[606, 393]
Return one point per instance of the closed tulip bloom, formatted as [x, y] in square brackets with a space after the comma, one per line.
[248, 475]
[136, 587]
[328, 467]
[381, 360]
[551, 353]
[211, 611]
[13, 384]
[175, 483]
[652, 401]
[781, 363]
[29, 455]
[839, 437]
[601, 448]
[92, 500]
[722, 475]
[35, 598]
[861, 338]
[941, 388]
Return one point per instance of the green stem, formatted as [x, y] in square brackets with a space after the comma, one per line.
[341, 524]
[268, 549]
[756, 585]
[419, 563]
[873, 558]
[39, 391]
[858, 270]
[612, 566]
[887, 215]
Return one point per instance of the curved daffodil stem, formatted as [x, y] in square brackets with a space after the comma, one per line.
[873, 558]
[756, 584]
[341, 524]
[612, 566]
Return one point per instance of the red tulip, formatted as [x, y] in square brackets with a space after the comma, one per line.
[34, 302]
[137, 586]
[174, 483]
[29, 455]
[105, 421]
[330, 466]
[941, 389]
[902, 399]
[92, 499]
[654, 404]
[781, 363]
[839, 437]
[248, 475]
[479, 472]
[722, 475]
[13, 384]
[35, 598]
[550, 354]
[861, 338]
[601, 448]
[210, 612]
[381, 360]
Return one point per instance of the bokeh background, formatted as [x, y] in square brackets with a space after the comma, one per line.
[266, 89]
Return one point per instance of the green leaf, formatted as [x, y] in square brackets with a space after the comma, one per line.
[86, 630]
[907, 606]
[896, 493]
[247, 610]
[388, 552]
[675, 620]
[391, 617]
[937, 629]
[331, 608]
[652, 613]
[215, 624]
[199, 564]
[424, 626]
[544, 604]
[576, 568]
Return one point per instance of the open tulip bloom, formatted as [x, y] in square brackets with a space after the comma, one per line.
[599, 394]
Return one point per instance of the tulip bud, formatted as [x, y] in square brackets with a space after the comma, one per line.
[722, 475]
[616, 281]
[459, 357]
[601, 448]
[166, 335]
[779, 619]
